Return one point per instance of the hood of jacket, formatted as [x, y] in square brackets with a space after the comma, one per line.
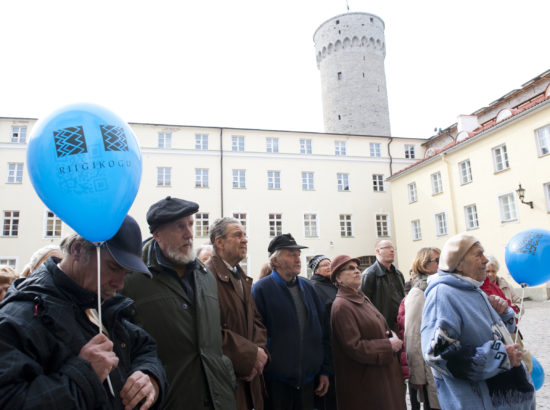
[450, 279]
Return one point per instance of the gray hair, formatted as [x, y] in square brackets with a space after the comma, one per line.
[274, 256]
[492, 261]
[204, 248]
[219, 228]
[87, 247]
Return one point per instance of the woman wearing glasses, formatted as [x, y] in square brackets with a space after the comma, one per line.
[364, 349]
[421, 380]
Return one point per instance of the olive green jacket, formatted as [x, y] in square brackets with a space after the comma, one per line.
[188, 335]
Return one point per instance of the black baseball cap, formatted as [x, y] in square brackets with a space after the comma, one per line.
[125, 246]
[284, 241]
[169, 209]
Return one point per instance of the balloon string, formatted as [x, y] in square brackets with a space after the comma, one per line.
[98, 252]
[523, 285]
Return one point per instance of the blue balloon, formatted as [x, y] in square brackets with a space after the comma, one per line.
[528, 257]
[85, 165]
[537, 374]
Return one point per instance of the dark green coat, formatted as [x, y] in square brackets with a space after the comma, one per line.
[188, 335]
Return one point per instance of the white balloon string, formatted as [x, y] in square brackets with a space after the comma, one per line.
[523, 286]
[98, 252]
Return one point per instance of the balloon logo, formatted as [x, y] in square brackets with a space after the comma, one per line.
[527, 257]
[537, 374]
[85, 165]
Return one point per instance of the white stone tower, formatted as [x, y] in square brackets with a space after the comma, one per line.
[350, 52]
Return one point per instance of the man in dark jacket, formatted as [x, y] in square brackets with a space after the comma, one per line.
[244, 334]
[51, 353]
[384, 284]
[297, 340]
[179, 307]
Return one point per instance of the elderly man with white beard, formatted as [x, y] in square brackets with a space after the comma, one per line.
[179, 307]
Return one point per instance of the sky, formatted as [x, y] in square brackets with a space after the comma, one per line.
[251, 63]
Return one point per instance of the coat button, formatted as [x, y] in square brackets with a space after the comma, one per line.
[185, 306]
[123, 345]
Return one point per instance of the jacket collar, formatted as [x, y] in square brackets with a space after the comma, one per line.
[320, 278]
[351, 295]
[277, 278]
[381, 269]
[220, 269]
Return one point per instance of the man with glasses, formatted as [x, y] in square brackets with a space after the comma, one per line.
[384, 284]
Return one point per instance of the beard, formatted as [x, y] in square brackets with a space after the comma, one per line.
[179, 258]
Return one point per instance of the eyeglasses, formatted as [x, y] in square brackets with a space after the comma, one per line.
[435, 260]
[351, 268]
[387, 247]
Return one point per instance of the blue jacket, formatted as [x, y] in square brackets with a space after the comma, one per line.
[463, 340]
[291, 362]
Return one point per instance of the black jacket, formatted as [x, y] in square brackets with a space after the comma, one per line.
[43, 326]
[325, 289]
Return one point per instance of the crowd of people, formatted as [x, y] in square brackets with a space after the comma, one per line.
[180, 328]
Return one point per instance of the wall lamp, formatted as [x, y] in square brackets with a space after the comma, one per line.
[521, 194]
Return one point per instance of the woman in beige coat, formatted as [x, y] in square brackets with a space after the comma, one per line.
[421, 379]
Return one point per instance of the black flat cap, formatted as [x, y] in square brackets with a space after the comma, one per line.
[169, 209]
[285, 241]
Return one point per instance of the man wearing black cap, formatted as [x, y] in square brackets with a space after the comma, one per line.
[179, 307]
[51, 352]
[297, 341]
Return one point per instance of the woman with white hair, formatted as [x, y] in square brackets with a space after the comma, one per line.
[492, 269]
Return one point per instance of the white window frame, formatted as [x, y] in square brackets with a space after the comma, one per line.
[507, 207]
[470, 217]
[165, 140]
[375, 149]
[272, 145]
[11, 220]
[239, 178]
[164, 176]
[18, 134]
[273, 179]
[340, 148]
[378, 182]
[410, 152]
[10, 261]
[202, 224]
[237, 143]
[242, 217]
[437, 184]
[412, 192]
[542, 138]
[201, 142]
[275, 221]
[416, 230]
[15, 173]
[311, 225]
[500, 158]
[465, 171]
[342, 181]
[308, 181]
[546, 188]
[441, 223]
[202, 178]
[382, 223]
[346, 226]
[305, 146]
[53, 224]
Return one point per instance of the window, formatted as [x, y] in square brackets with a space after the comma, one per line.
[507, 206]
[382, 225]
[500, 158]
[378, 182]
[15, 173]
[201, 224]
[237, 143]
[543, 140]
[241, 217]
[11, 262]
[339, 147]
[441, 224]
[409, 151]
[547, 195]
[465, 171]
[272, 144]
[275, 225]
[201, 177]
[164, 176]
[239, 178]
[165, 140]
[307, 181]
[343, 181]
[201, 141]
[470, 213]
[413, 196]
[339, 75]
[374, 149]
[11, 223]
[305, 146]
[19, 134]
[310, 225]
[345, 226]
[415, 228]
[437, 186]
[273, 179]
[53, 226]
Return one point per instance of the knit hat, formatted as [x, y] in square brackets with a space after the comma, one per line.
[315, 261]
[338, 262]
[454, 250]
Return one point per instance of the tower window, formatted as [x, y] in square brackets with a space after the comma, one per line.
[337, 21]
[339, 117]
[371, 19]
[340, 75]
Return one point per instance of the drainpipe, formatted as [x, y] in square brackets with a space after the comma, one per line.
[451, 191]
[391, 158]
[221, 172]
